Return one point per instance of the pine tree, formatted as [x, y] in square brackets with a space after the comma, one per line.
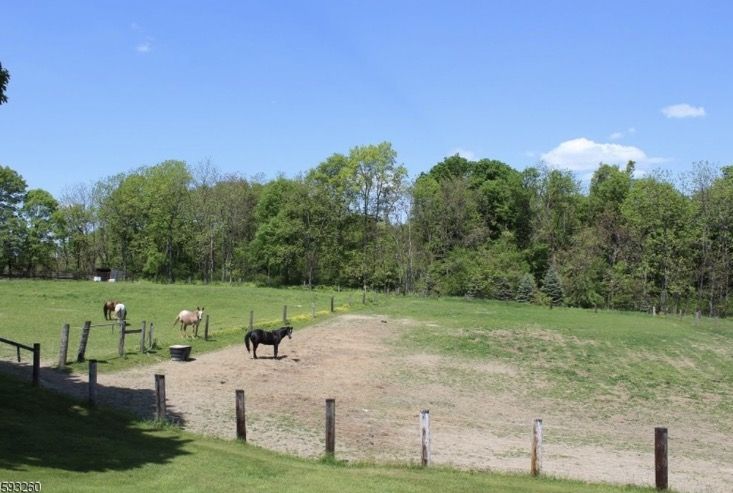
[526, 289]
[552, 288]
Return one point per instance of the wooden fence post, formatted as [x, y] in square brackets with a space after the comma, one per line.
[36, 363]
[251, 319]
[285, 314]
[660, 458]
[206, 329]
[151, 341]
[160, 411]
[92, 382]
[363, 296]
[121, 340]
[313, 310]
[330, 427]
[142, 338]
[425, 454]
[331, 304]
[241, 424]
[83, 342]
[536, 468]
[64, 347]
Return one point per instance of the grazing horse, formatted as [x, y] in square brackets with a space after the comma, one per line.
[188, 317]
[271, 338]
[108, 308]
[120, 311]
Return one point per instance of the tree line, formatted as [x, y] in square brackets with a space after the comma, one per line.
[466, 228]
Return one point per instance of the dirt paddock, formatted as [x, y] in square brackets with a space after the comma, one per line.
[480, 418]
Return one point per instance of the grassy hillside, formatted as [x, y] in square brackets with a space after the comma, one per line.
[578, 355]
[70, 448]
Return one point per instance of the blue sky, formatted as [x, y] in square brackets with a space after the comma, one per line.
[99, 87]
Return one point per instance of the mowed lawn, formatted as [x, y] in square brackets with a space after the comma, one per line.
[69, 448]
[35, 311]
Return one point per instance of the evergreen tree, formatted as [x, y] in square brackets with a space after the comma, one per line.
[552, 288]
[526, 289]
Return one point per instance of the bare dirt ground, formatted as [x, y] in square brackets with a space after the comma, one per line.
[481, 418]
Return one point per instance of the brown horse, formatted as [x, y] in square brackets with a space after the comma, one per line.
[109, 308]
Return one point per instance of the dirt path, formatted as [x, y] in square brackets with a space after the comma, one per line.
[479, 418]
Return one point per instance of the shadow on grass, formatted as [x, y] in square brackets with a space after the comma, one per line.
[48, 430]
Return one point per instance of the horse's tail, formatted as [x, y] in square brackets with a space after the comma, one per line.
[176, 321]
[246, 340]
[104, 310]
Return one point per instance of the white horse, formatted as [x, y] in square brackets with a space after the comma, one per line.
[188, 317]
[120, 311]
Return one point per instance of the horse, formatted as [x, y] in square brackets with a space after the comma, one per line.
[188, 317]
[108, 308]
[271, 338]
[120, 311]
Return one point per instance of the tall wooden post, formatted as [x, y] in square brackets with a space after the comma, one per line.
[64, 347]
[425, 455]
[151, 340]
[142, 337]
[160, 410]
[83, 342]
[331, 304]
[36, 363]
[363, 296]
[536, 468]
[241, 423]
[313, 310]
[330, 427]
[206, 329]
[660, 458]
[121, 340]
[92, 382]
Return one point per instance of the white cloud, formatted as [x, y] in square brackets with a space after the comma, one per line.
[621, 135]
[144, 47]
[470, 155]
[585, 155]
[683, 110]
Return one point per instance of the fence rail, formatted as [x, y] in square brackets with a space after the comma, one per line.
[35, 349]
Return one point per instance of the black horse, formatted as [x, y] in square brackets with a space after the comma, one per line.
[271, 338]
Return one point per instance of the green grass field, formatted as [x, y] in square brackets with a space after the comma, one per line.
[35, 311]
[582, 355]
[69, 448]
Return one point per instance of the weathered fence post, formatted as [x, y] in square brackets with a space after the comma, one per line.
[241, 424]
[151, 341]
[92, 382]
[285, 314]
[331, 304]
[142, 338]
[363, 296]
[121, 340]
[425, 455]
[330, 427]
[36, 363]
[206, 329]
[160, 411]
[313, 310]
[83, 342]
[660, 458]
[251, 319]
[64, 347]
[536, 468]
